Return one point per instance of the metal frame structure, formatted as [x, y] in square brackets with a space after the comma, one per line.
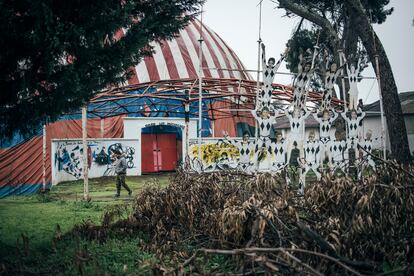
[239, 97]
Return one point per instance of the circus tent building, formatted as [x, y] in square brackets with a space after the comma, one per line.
[157, 94]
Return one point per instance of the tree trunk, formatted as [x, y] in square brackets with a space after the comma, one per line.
[392, 106]
[349, 42]
[360, 24]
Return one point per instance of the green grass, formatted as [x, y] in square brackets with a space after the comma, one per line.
[37, 217]
[103, 189]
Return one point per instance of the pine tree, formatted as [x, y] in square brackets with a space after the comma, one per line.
[55, 55]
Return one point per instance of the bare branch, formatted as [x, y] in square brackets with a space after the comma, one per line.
[312, 17]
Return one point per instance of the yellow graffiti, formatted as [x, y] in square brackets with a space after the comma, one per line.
[211, 153]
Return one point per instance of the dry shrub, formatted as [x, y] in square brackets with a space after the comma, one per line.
[338, 226]
[368, 220]
[221, 206]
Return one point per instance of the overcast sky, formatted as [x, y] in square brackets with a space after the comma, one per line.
[237, 22]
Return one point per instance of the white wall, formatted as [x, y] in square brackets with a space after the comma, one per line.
[67, 159]
[374, 124]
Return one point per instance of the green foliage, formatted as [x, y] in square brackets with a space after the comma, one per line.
[335, 12]
[38, 215]
[36, 218]
[377, 9]
[115, 257]
[303, 40]
[54, 55]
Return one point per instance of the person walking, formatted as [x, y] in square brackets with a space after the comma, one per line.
[120, 170]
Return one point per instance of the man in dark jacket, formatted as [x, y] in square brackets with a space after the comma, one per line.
[120, 170]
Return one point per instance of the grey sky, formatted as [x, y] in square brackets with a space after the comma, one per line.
[236, 21]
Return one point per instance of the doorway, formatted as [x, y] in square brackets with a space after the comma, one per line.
[161, 149]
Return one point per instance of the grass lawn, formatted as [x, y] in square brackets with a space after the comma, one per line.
[37, 217]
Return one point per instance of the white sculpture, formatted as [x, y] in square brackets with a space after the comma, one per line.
[297, 127]
[330, 76]
[266, 154]
[354, 127]
[325, 132]
[338, 154]
[264, 121]
[279, 148]
[302, 79]
[245, 148]
[263, 145]
[353, 77]
[269, 72]
[365, 147]
[311, 159]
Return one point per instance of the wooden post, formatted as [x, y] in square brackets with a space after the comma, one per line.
[187, 120]
[200, 90]
[102, 127]
[85, 154]
[383, 134]
[44, 158]
[259, 42]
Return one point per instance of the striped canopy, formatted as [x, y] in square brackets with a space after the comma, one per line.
[179, 58]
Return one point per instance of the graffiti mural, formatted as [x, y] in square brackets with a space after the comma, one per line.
[67, 158]
[216, 155]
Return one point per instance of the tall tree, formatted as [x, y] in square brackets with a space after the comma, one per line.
[342, 24]
[54, 55]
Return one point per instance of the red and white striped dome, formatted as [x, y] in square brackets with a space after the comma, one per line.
[178, 58]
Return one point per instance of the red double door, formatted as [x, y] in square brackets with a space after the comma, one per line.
[158, 152]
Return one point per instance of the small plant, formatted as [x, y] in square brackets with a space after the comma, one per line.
[44, 196]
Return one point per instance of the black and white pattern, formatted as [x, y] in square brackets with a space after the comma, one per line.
[279, 149]
[264, 124]
[338, 154]
[311, 162]
[325, 134]
[300, 83]
[263, 153]
[366, 159]
[330, 80]
[268, 73]
[353, 77]
[354, 128]
[297, 121]
[297, 128]
[245, 149]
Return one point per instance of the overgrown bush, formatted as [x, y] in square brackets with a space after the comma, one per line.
[338, 226]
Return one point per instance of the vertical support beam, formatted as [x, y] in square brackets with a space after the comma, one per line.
[200, 89]
[187, 120]
[341, 63]
[259, 42]
[383, 134]
[85, 154]
[102, 127]
[256, 129]
[44, 158]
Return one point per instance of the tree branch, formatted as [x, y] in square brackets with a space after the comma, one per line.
[312, 17]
